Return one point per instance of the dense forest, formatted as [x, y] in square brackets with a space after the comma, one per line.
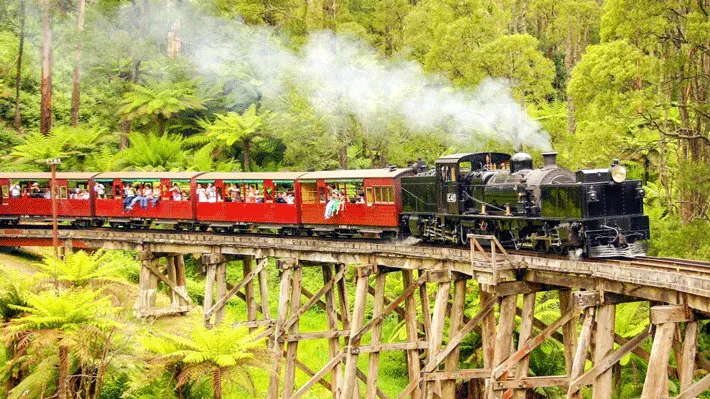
[324, 84]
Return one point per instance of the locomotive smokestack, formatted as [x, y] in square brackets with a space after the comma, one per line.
[550, 158]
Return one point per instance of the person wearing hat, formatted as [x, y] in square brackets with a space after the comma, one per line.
[35, 192]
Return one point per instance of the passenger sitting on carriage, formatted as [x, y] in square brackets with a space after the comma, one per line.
[290, 199]
[138, 197]
[15, 191]
[176, 193]
[234, 195]
[201, 193]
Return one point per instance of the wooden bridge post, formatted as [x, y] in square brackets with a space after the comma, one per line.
[282, 315]
[504, 340]
[350, 380]
[374, 357]
[221, 282]
[292, 344]
[603, 347]
[664, 318]
[148, 284]
[569, 329]
[410, 323]
[247, 263]
[456, 317]
[526, 324]
[443, 280]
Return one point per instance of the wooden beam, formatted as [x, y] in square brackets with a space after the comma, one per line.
[533, 343]
[452, 376]
[209, 293]
[170, 284]
[456, 340]
[222, 301]
[671, 314]
[696, 389]
[310, 373]
[689, 351]
[328, 286]
[656, 376]
[488, 328]
[603, 346]
[221, 311]
[533, 382]
[311, 335]
[408, 291]
[284, 290]
[569, 329]
[292, 346]
[437, 328]
[249, 289]
[607, 362]
[332, 321]
[504, 340]
[318, 376]
[373, 367]
[410, 323]
[394, 346]
[524, 333]
[350, 372]
[425, 306]
[580, 356]
[456, 313]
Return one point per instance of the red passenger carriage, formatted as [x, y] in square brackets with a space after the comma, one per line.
[368, 201]
[27, 195]
[248, 201]
[165, 207]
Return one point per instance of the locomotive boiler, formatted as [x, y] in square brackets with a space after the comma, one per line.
[547, 209]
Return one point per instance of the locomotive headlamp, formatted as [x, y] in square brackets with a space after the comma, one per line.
[618, 173]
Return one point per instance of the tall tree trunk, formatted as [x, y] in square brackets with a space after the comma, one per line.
[217, 380]
[45, 123]
[18, 78]
[247, 155]
[127, 124]
[174, 43]
[63, 384]
[76, 77]
[343, 156]
[161, 125]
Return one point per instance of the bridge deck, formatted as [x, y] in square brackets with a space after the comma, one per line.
[669, 283]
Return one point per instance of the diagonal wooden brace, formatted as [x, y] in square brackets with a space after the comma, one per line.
[222, 301]
[171, 284]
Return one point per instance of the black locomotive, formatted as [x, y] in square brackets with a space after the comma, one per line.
[548, 209]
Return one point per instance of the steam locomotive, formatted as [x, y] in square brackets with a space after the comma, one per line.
[547, 209]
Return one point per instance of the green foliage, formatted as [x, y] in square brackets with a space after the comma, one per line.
[150, 152]
[80, 269]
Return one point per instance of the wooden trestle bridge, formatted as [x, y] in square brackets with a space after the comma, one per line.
[589, 290]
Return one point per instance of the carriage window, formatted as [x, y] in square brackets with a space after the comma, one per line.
[5, 191]
[78, 190]
[309, 193]
[177, 191]
[63, 192]
[369, 197]
[253, 193]
[105, 187]
[465, 168]
[384, 195]
[284, 193]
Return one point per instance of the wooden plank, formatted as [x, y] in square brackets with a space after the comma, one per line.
[362, 377]
[533, 343]
[312, 335]
[172, 276]
[318, 376]
[603, 347]
[374, 357]
[569, 329]
[689, 351]
[209, 293]
[452, 376]
[437, 328]
[343, 300]
[656, 376]
[456, 340]
[292, 346]
[157, 274]
[524, 333]
[488, 328]
[327, 287]
[533, 382]
[350, 372]
[249, 289]
[222, 301]
[332, 321]
[580, 356]
[602, 365]
[306, 370]
[504, 340]
[410, 323]
[425, 306]
[254, 324]
[284, 291]
[221, 293]
[456, 314]
[696, 389]
[407, 293]
[670, 314]
[394, 346]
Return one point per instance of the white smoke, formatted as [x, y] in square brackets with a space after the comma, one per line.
[346, 78]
